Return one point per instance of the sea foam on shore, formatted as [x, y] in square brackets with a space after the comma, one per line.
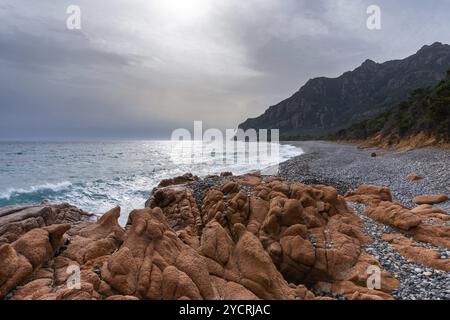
[95, 175]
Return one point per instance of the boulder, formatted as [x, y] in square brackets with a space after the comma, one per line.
[414, 177]
[430, 199]
[27, 254]
[17, 220]
[184, 179]
[411, 250]
[394, 215]
[179, 207]
[152, 260]
[427, 211]
[437, 235]
[369, 194]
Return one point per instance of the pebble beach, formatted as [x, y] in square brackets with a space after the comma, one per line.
[345, 167]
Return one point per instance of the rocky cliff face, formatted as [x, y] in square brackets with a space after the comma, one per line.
[323, 105]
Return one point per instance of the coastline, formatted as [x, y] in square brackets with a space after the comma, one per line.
[223, 236]
[97, 175]
[346, 166]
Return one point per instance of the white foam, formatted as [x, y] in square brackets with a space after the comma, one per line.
[55, 187]
[286, 152]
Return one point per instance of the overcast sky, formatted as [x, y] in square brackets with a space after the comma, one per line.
[141, 68]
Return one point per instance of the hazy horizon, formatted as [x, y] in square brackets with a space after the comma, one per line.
[137, 70]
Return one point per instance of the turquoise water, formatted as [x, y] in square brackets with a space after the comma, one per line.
[96, 176]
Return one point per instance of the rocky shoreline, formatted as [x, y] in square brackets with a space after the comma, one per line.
[346, 166]
[311, 233]
[324, 163]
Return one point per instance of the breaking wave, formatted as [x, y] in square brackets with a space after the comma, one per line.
[39, 189]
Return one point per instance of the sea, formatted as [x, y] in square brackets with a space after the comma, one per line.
[97, 176]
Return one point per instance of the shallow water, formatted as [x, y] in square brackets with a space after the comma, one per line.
[96, 176]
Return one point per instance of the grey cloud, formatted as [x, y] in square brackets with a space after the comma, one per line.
[32, 50]
[134, 71]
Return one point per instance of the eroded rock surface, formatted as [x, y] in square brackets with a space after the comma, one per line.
[394, 215]
[17, 220]
[246, 237]
[430, 199]
[412, 250]
[420, 234]
[369, 194]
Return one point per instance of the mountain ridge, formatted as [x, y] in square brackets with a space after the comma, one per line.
[325, 105]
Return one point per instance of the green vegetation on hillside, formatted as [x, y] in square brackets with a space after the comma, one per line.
[427, 111]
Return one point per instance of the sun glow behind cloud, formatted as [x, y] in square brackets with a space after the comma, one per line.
[185, 38]
[182, 11]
